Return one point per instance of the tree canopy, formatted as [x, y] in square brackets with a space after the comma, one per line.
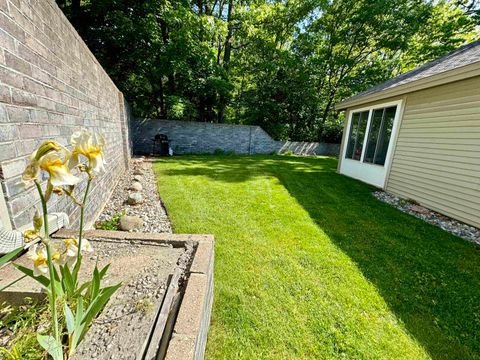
[280, 64]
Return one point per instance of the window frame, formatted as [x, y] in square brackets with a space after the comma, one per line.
[370, 109]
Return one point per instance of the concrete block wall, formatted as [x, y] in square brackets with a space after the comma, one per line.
[310, 148]
[203, 138]
[50, 86]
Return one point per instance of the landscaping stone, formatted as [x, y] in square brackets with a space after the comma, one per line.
[420, 209]
[129, 223]
[152, 211]
[137, 172]
[446, 223]
[138, 178]
[135, 198]
[136, 186]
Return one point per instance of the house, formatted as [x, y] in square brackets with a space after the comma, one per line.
[418, 135]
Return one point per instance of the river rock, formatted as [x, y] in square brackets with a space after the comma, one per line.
[136, 186]
[128, 223]
[138, 178]
[138, 172]
[135, 198]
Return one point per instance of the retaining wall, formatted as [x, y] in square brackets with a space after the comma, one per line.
[203, 138]
[52, 85]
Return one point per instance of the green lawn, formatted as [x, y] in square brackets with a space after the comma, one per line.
[310, 265]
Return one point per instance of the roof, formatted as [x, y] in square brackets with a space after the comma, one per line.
[464, 56]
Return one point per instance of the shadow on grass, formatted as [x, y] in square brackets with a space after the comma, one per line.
[429, 278]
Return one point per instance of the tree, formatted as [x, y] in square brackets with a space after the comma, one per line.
[280, 64]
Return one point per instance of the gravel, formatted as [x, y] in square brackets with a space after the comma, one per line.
[143, 268]
[446, 223]
[151, 210]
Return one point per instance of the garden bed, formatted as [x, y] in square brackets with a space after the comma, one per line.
[163, 307]
[139, 181]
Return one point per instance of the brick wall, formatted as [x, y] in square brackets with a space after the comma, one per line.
[203, 138]
[50, 86]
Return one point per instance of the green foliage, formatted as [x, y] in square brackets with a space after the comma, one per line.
[11, 255]
[21, 323]
[112, 224]
[278, 64]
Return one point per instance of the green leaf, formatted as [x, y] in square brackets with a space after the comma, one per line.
[79, 326]
[95, 284]
[104, 271]
[68, 283]
[41, 279]
[83, 287]
[7, 257]
[97, 305]
[52, 346]
[70, 319]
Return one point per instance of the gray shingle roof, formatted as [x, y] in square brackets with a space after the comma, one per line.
[464, 55]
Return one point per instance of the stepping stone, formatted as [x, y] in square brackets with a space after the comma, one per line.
[128, 223]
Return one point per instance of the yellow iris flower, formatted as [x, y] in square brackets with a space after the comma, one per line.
[89, 146]
[52, 158]
[40, 261]
[71, 249]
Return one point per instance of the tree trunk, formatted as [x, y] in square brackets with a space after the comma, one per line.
[226, 60]
[166, 40]
[326, 111]
[163, 109]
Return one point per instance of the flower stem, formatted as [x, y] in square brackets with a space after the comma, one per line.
[82, 218]
[53, 297]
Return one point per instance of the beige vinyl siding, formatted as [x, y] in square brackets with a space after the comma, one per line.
[437, 156]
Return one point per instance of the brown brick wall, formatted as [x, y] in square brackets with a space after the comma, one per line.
[50, 86]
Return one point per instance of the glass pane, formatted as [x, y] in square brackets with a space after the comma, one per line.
[352, 135]
[375, 126]
[362, 126]
[356, 135]
[385, 135]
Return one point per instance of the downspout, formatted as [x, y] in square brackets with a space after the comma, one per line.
[9, 239]
[13, 239]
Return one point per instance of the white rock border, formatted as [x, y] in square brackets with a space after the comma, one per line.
[467, 232]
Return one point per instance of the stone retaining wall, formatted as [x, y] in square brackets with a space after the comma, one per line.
[206, 138]
[52, 85]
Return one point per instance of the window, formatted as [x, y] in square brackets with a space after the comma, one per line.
[356, 135]
[381, 125]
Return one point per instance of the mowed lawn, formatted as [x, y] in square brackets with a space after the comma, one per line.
[309, 265]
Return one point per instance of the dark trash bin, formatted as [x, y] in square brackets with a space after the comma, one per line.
[161, 145]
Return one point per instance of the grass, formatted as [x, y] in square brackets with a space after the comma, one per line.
[19, 325]
[309, 265]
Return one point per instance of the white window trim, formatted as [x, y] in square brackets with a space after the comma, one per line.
[371, 173]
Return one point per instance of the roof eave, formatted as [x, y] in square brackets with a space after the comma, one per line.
[460, 73]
